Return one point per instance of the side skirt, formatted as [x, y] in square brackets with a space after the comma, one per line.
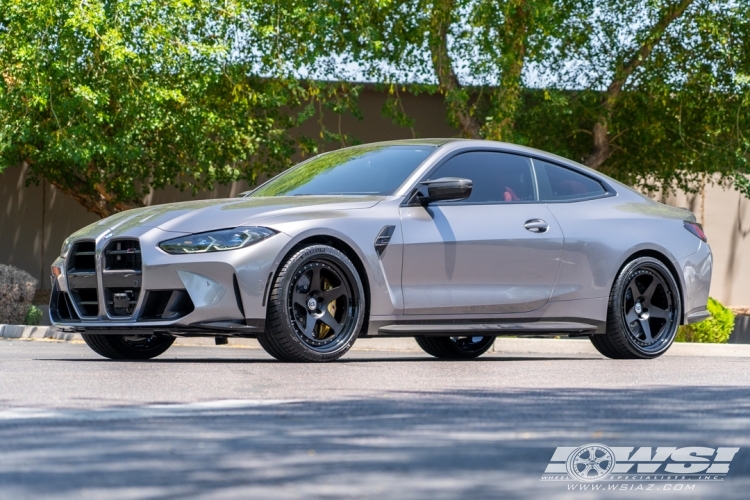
[488, 328]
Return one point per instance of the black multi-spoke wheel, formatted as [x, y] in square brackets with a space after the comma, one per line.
[319, 301]
[316, 307]
[644, 312]
[129, 346]
[455, 347]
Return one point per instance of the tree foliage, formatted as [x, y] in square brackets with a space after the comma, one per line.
[717, 329]
[653, 92]
[108, 99]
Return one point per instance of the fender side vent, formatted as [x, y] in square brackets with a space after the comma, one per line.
[383, 238]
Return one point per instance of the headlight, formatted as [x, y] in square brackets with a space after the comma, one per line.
[217, 241]
[65, 249]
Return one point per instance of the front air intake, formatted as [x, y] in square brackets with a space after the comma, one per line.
[164, 305]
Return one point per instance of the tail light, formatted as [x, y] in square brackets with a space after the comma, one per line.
[696, 229]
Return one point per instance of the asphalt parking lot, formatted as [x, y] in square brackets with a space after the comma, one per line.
[227, 422]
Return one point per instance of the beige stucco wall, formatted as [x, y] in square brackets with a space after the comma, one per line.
[35, 220]
[725, 215]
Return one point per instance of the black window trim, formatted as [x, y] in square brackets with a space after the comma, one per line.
[410, 200]
[608, 191]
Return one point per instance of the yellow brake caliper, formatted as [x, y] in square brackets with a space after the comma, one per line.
[323, 329]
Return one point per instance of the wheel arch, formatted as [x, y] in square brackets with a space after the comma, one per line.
[343, 247]
[661, 257]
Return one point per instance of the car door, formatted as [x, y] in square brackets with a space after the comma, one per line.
[496, 252]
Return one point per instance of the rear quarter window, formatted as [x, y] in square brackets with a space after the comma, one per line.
[558, 183]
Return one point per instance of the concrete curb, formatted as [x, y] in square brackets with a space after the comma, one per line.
[35, 332]
[504, 345]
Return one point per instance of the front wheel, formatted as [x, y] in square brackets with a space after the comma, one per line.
[315, 308]
[128, 346]
[644, 312]
[455, 347]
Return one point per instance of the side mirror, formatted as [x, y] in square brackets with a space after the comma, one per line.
[444, 189]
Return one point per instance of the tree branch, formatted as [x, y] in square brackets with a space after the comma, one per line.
[455, 96]
[100, 202]
[601, 149]
[505, 99]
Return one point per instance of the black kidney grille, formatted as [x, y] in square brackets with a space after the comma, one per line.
[82, 280]
[121, 277]
[122, 255]
[82, 257]
[121, 281]
[87, 301]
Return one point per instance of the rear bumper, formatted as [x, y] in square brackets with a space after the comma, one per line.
[697, 316]
[695, 273]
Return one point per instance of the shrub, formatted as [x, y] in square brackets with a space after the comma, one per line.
[16, 293]
[716, 329]
[34, 316]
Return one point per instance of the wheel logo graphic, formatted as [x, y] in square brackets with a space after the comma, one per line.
[591, 462]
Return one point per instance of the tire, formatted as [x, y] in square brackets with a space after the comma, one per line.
[128, 347]
[455, 347]
[316, 307]
[643, 313]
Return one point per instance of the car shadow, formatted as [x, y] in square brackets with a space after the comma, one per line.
[405, 359]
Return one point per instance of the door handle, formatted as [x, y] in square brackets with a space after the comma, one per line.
[536, 226]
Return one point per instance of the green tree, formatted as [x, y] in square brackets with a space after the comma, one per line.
[653, 93]
[109, 99]
[473, 52]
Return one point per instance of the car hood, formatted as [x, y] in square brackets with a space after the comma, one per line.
[207, 215]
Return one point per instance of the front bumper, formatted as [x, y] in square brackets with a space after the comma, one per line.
[219, 291]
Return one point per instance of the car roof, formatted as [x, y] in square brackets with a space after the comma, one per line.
[415, 142]
[457, 143]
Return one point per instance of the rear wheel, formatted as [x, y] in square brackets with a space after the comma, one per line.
[315, 308]
[455, 347]
[644, 312]
[128, 346]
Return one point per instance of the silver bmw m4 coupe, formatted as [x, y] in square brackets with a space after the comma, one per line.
[453, 242]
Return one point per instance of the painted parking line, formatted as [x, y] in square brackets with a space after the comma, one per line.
[204, 408]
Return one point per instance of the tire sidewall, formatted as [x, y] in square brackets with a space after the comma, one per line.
[622, 280]
[161, 344]
[115, 347]
[292, 266]
[445, 348]
[464, 354]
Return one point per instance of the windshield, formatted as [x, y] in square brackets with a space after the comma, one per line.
[365, 170]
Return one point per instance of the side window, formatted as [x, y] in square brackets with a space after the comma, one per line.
[497, 177]
[561, 184]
